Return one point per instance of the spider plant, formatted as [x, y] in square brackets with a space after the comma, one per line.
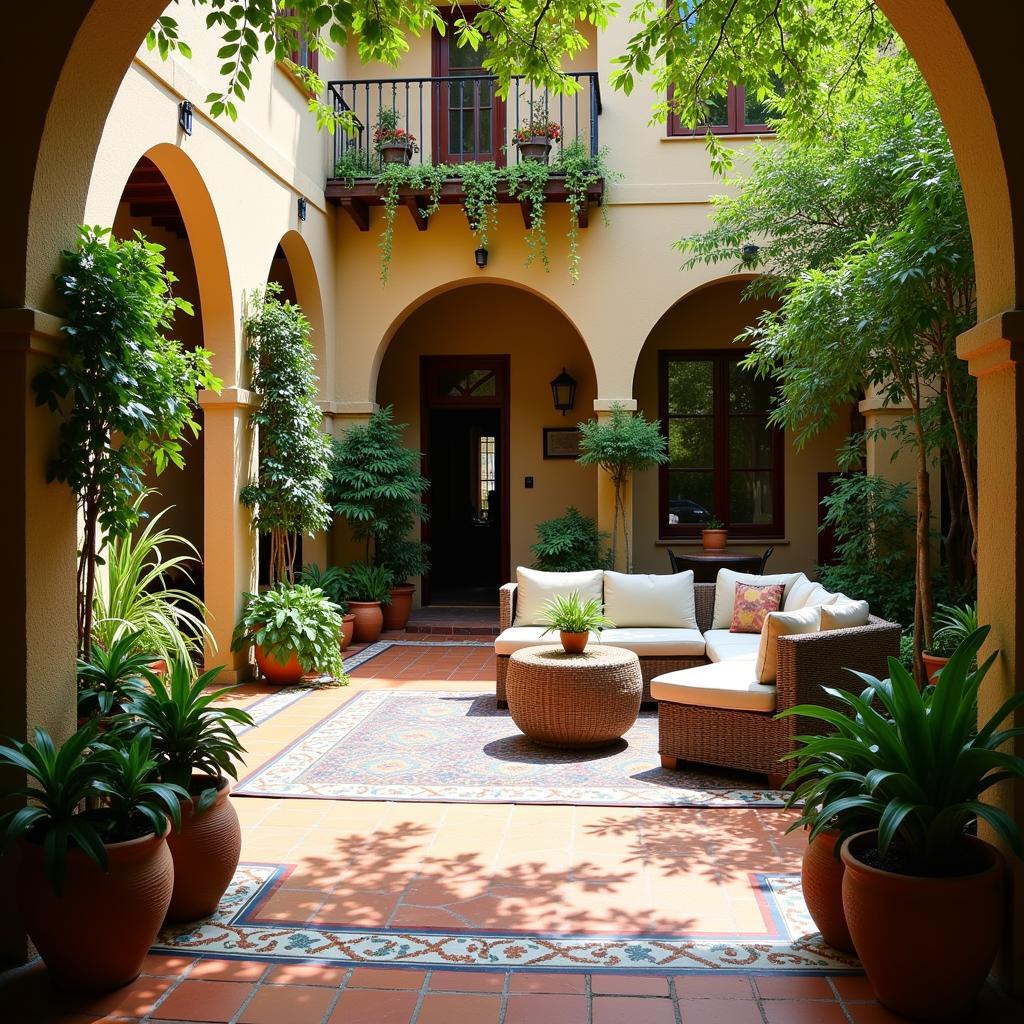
[134, 594]
[331, 581]
[953, 625]
[570, 614]
[111, 677]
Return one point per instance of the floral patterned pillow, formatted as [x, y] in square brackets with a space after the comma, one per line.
[752, 605]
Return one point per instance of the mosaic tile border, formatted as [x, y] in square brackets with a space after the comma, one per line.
[789, 945]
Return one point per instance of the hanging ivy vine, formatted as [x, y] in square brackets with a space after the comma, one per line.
[423, 177]
[528, 182]
[480, 183]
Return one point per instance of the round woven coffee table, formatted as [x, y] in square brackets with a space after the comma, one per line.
[574, 700]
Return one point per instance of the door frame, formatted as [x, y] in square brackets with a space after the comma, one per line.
[429, 402]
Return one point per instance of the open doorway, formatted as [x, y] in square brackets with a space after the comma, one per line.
[465, 441]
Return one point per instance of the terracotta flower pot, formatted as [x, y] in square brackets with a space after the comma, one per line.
[348, 625]
[536, 149]
[274, 672]
[205, 854]
[369, 620]
[933, 665]
[396, 153]
[573, 643]
[396, 614]
[821, 875]
[713, 540]
[94, 935]
[927, 944]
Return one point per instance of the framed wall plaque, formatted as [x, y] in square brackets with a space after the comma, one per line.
[561, 442]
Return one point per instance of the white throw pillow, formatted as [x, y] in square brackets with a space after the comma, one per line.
[776, 624]
[798, 594]
[642, 599]
[844, 614]
[725, 591]
[819, 596]
[535, 588]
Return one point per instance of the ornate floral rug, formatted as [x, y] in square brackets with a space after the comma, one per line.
[427, 745]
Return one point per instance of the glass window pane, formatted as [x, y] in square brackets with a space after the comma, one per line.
[464, 383]
[690, 497]
[747, 391]
[716, 112]
[690, 387]
[751, 443]
[460, 131]
[484, 125]
[750, 497]
[759, 111]
[691, 443]
[464, 56]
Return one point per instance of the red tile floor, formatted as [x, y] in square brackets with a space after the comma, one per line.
[523, 867]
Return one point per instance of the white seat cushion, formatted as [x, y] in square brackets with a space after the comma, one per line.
[729, 684]
[643, 599]
[723, 645]
[844, 614]
[517, 637]
[535, 588]
[725, 591]
[650, 643]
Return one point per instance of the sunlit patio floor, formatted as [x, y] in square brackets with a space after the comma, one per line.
[479, 869]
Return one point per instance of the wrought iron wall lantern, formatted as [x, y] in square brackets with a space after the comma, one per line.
[563, 390]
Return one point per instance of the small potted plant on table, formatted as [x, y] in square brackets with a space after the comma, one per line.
[537, 133]
[574, 619]
[953, 625]
[714, 534]
[395, 145]
[368, 587]
[294, 630]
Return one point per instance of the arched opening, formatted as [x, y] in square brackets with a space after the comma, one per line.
[469, 371]
[725, 461]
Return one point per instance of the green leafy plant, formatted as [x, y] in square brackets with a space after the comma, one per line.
[355, 163]
[135, 595]
[193, 742]
[377, 487]
[581, 170]
[331, 581]
[126, 392]
[713, 523]
[571, 614]
[288, 497]
[480, 183]
[528, 183]
[424, 177]
[112, 677]
[369, 583]
[61, 781]
[953, 625]
[570, 543]
[537, 124]
[293, 619]
[388, 133]
[622, 444]
[919, 767]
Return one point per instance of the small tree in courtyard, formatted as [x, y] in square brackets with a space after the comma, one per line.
[287, 499]
[127, 393]
[621, 445]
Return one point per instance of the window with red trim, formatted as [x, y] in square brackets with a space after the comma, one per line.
[304, 57]
[725, 459]
[739, 112]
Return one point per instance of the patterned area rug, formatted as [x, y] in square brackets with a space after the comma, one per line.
[786, 943]
[425, 745]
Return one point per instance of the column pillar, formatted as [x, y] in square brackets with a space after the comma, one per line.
[994, 351]
[229, 545]
[606, 489]
[37, 601]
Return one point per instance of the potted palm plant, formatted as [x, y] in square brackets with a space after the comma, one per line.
[395, 145]
[332, 582]
[368, 588]
[109, 679]
[108, 863]
[294, 631]
[195, 749]
[574, 619]
[923, 896]
[714, 534]
[953, 624]
[537, 133]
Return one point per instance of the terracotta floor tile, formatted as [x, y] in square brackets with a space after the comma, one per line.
[467, 981]
[876, 1013]
[547, 1009]
[296, 1004]
[305, 974]
[793, 987]
[719, 1011]
[529, 981]
[206, 1001]
[796, 1012]
[459, 1009]
[628, 985]
[228, 970]
[133, 1000]
[702, 986]
[163, 966]
[632, 1010]
[853, 987]
[387, 978]
[363, 1006]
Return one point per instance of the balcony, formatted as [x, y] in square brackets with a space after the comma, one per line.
[456, 119]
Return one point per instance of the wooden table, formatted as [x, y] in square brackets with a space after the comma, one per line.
[574, 700]
[705, 564]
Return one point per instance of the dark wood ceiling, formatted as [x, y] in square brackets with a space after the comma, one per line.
[148, 195]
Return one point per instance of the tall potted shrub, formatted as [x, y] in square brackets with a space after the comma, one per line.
[621, 445]
[570, 543]
[377, 486]
[126, 392]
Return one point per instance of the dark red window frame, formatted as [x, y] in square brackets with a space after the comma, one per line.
[312, 58]
[720, 358]
[736, 111]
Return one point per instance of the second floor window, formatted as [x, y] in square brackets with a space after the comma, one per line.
[739, 112]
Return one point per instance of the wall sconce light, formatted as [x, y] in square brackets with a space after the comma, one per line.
[303, 210]
[749, 253]
[563, 390]
[481, 257]
[185, 116]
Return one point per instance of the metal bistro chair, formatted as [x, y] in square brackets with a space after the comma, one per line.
[705, 566]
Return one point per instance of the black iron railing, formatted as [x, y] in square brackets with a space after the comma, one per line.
[460, 118]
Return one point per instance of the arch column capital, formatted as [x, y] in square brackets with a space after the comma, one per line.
[605, 404]
[994, 344]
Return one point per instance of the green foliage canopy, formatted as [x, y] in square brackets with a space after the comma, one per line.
[570, 543]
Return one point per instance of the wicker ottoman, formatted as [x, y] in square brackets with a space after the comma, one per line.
[574, 700]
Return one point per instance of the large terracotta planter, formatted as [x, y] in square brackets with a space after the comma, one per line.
[274, 672]
[821, 875]
[536, 149]
[713, 540]
[369, 620]
[573, 643]
[927, 944]
[348, 625]
[205, 854]
[396, 614]
[94, 935]
[933, 665]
